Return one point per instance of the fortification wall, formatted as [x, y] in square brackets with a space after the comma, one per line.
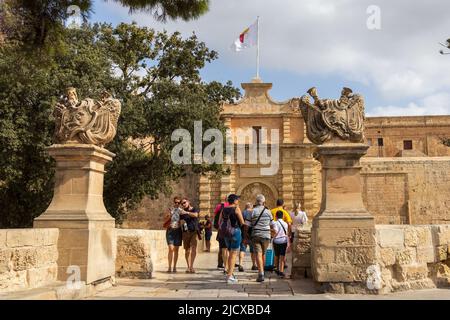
[407, 190]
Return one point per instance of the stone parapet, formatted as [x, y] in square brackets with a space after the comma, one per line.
[139, 252]
[301, 253]
[27, 258]
[413, 257]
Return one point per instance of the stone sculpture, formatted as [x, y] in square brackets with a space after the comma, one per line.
[87, 121]
[329, 118]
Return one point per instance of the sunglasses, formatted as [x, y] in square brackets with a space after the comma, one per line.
[177, 202]
[184, 202]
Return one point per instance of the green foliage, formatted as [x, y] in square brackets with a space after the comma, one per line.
[169, 9]
[156, 77]
[40, 23]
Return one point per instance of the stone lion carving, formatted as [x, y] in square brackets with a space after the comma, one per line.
[328, 118]
[87, 121]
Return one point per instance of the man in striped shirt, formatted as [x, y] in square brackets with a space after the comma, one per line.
[261, 224]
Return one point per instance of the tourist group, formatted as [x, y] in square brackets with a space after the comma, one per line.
[267, 233]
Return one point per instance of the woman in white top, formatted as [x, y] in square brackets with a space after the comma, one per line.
[299, 218]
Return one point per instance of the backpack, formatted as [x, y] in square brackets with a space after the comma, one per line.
[226, 230]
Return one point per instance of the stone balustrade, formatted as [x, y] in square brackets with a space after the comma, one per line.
[28, 258]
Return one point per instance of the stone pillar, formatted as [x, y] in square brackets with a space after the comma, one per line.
[287, 182]
[86, 230]
[309, 187]
[343, 233]
[205, 195]
[227, 183]
[287, 129]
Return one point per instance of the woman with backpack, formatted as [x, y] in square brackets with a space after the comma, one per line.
[230, 231]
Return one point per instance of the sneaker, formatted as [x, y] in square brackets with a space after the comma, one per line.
[220, 266]
[282, 275]
[232, 280]
[254, 268]
[260, 278]
[241, 268]
[236, 265]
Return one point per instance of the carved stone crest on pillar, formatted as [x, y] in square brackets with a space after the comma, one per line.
[87, 121]
[342, 242]
[326, 119]
[86, 229]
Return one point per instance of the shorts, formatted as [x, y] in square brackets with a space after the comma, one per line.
[208, 235]
[260, 244]
[173, 237]
[233, 243]
[243, 247]
[189, 239]
[279, 249]
[222, 244]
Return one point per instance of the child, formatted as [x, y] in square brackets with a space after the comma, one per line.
[280, 242]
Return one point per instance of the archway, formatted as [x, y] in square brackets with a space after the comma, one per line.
[250, 190]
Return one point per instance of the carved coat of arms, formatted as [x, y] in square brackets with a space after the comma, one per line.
[87, 121]
[326, 118]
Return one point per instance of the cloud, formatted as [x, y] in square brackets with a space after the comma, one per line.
[330, 39]
[437, 104]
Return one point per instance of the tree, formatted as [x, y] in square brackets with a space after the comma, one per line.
[156, 77]
[40, 23]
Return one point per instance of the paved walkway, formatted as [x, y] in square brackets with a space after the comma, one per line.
[209, 283]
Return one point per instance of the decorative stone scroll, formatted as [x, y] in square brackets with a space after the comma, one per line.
[87, 121]
[329, 118]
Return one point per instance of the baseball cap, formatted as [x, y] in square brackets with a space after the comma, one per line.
[233, 197]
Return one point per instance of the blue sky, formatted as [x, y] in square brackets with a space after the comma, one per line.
[327, 44]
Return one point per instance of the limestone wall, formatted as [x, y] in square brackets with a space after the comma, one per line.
[150, 214]
[407, 190]
[413, 257]
[27, 258]
[140, 252]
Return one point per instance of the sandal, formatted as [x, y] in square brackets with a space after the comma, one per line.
[174, 270]
[192, 271]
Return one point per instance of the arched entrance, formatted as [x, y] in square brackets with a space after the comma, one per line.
[250, 190]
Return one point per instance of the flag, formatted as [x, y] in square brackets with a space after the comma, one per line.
[248, 38]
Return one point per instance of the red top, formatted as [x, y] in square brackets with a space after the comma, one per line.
[217, 209]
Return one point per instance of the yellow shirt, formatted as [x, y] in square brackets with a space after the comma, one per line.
[286, 216]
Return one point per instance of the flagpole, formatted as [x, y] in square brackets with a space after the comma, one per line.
[257, 48]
